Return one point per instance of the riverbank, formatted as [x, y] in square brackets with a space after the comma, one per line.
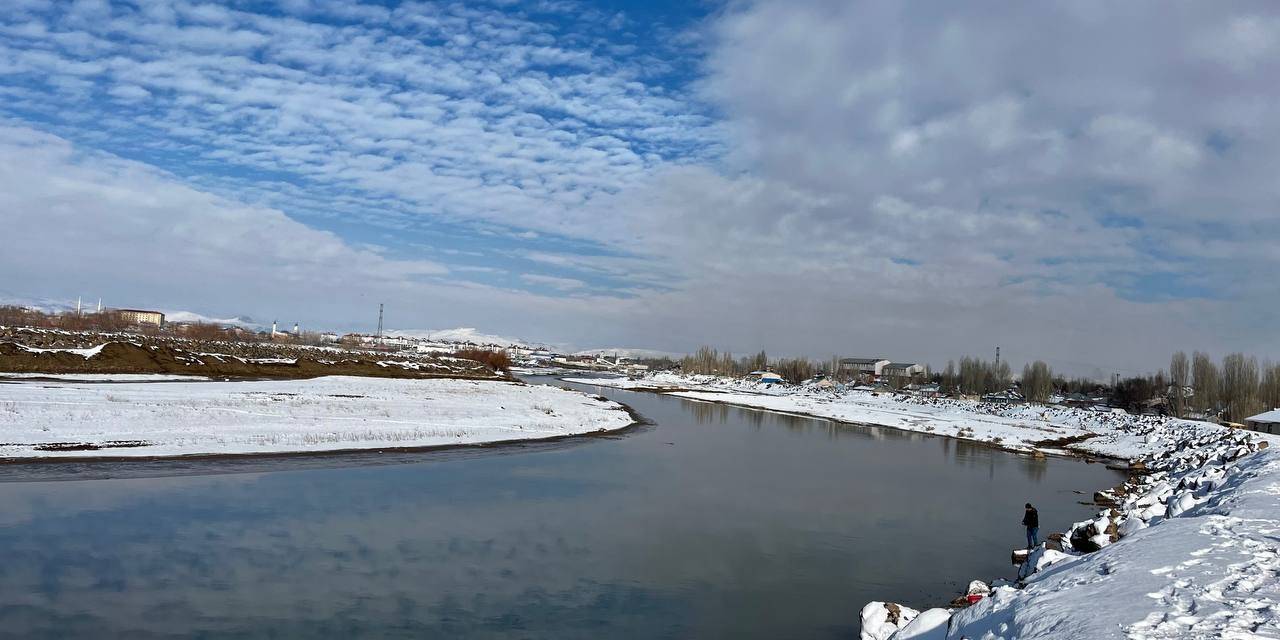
[42, 419]
[1185, 548]
[1189, 551]
[1022, 428]
[46, 351]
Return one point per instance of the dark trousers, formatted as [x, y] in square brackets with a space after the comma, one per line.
[1033, 537]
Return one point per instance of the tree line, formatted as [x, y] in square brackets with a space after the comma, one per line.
[1234, 390]
[709, 361]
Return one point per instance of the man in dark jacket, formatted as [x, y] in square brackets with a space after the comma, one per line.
[1032, 522]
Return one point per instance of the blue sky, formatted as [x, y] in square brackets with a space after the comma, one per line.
[201, 120]
[750, 174]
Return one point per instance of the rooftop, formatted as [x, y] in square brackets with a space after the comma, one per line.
[1269, 416]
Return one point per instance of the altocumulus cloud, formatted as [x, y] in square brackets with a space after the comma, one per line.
[1084, 182]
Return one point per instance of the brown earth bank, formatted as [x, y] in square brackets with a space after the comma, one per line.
[44, 351]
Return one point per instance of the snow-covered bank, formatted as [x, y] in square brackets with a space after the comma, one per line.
[66, 418]
[1190, 551]
[1018, 427]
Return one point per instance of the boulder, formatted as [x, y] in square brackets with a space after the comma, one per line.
[880, 620]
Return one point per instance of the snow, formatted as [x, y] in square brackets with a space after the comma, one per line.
[631, 353]
[1019, 427]
[130, 419]
[1211, 573]
[929, 625]
[459, 335]
[103, 377]
[1269, 416]
[84, 353]
[880, 620]
[191, 316]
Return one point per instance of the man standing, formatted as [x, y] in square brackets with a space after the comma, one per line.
[1032, 522]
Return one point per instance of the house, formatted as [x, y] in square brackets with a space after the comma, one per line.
[928, 390]
[902, 369]
[1008, 396]
[862, 366]
[141, 317]
[1268, 422]
[767, 377]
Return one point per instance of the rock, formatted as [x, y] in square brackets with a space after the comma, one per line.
[880, 620]
[1082, 539]
[978, 587]
[928, 625]
[1019, 556]
[1131, 526]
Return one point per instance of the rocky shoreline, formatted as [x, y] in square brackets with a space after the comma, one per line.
[1162, 486]
[1185, 479]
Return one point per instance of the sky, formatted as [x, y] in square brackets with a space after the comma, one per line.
[1086, 183]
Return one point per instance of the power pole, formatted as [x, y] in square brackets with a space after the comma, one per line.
[379, 323]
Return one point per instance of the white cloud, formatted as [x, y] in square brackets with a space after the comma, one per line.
[563, 284]
[924, 182]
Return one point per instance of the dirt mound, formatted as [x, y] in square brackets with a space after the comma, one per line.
[131, 357]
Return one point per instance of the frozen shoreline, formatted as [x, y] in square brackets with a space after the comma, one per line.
[1022, 428]
[1187, 551]
[42, 419]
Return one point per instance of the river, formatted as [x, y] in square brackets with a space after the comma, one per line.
[712, 521]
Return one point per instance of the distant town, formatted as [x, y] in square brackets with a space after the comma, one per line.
[1238, 392]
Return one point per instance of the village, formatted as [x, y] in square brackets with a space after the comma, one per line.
[988, 381]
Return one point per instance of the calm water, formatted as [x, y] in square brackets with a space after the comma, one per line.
[713, 522]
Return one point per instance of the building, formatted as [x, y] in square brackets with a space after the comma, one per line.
[902, 369]
[141, 317]
[767, 377]
[862, 366]
[1268, 422]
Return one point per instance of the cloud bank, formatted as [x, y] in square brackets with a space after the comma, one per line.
[1088, 184]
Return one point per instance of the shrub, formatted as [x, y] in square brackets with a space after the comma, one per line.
[495, 359]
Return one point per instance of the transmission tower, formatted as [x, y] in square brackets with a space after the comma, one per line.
[379, 322]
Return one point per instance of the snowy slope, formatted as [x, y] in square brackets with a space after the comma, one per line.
[1210, 572]
[126, 419]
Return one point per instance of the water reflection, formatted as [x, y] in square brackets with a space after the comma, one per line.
[763, 526]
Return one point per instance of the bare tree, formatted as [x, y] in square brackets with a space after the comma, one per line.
[1179, 376]
[1205, 383]
[795, 369]
[1037, 381]
[1269, 390]
[1239, 386]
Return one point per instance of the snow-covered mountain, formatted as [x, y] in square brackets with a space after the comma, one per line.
[634, 354]
[190, 316]
[462, 335]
